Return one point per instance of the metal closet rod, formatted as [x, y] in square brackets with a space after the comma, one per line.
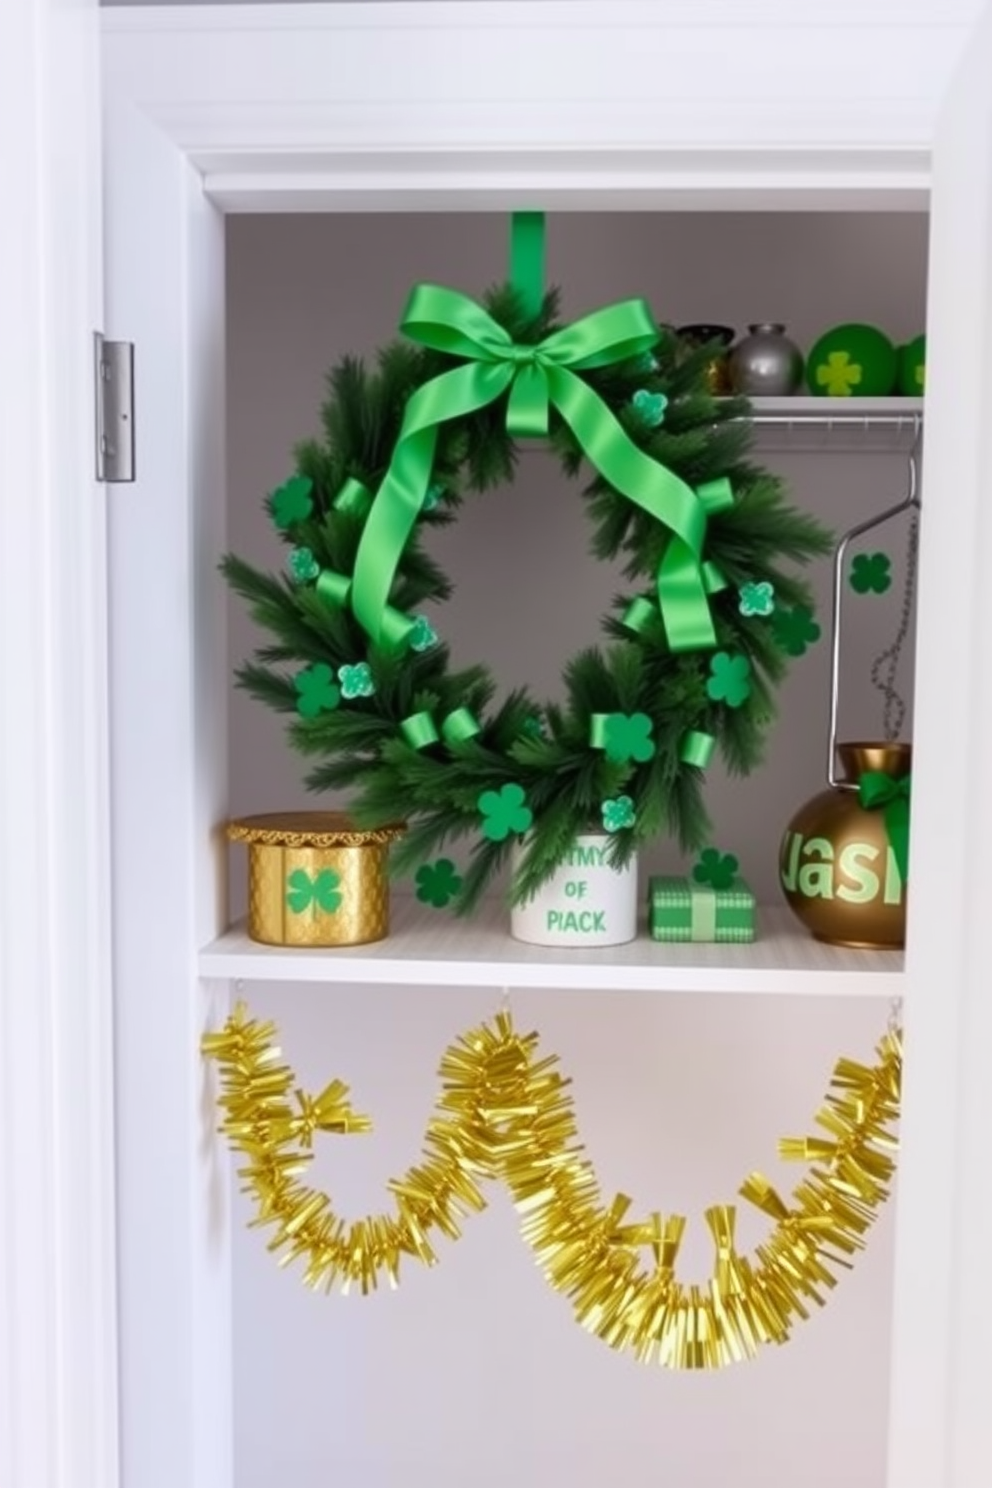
[908, 421]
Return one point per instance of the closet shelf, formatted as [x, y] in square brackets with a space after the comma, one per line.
[426, 948]
[862, 425]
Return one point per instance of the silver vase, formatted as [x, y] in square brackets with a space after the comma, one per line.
[766, 364]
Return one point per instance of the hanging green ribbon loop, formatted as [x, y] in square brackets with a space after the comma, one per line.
[353, 498]
[697, 748]
[537, 378]
[420, 731]
[879, 791]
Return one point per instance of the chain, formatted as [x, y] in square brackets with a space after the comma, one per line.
[887, 661]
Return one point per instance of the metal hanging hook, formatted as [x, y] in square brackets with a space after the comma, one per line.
[910, 502]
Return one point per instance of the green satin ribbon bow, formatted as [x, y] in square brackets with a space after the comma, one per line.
[879, 791]
[537, 378]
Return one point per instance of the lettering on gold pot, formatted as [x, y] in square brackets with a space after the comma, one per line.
[860, 873]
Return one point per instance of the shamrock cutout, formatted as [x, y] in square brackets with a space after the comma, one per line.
[432, 497]
[627, 736]
[729, 680]
[356, 681]
[318, 891]
[650, 406]
[757, 599]
[795, 630]
[438, 883]
[423, 635]
[870, 573]
[317, 689]
[504, 811]
[292, 502]
[839, 375]
[303, 565]
[618, 813]
[715, 868]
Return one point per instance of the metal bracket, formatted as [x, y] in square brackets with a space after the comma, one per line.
[114, 397]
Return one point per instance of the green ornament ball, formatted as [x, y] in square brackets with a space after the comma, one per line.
[913, 367]
[852, 361]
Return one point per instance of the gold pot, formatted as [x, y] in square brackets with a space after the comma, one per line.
[837, 869]
[315, 879]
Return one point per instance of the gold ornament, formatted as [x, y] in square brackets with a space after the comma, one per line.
[504, 1112]
[314, 879]
[838, 871]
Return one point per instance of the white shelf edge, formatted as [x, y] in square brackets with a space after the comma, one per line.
[430, 948]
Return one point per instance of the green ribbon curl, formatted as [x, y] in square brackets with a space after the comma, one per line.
[536, 377]
[420, 731]
[336, 590]
[878, 791]
[697, 748]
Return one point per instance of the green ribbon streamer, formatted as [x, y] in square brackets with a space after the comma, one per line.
[536, 377]
[597, 730]
[420, 731]
[527, 259]
[697, 748]
[336, 590]
[878, 791]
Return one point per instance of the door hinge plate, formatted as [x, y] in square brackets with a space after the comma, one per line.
[114, 373]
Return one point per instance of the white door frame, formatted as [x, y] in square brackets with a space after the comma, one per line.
[639, 105]
[58, 1326]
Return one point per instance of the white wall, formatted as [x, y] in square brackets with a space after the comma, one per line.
[475, 1376]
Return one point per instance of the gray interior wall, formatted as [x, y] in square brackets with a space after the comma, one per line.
[475, 1376]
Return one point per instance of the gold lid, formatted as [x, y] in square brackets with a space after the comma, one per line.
[310, 829]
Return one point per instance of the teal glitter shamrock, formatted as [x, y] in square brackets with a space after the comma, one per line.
[423, 635]
[650, 406]
[303, 565]
[356, 681]
[438, 883]
[715, 868]
[757, 599]
[533, 727]
[292, 502]
[317, 689]
[870, 573]
[729, 680]
[795, 630]
[504, 811]
[618, 813]
[318, 891]
[627, 736]
[433, 496]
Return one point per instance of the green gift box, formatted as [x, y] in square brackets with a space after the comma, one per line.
[679, 909]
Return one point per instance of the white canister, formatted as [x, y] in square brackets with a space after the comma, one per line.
[585, 903]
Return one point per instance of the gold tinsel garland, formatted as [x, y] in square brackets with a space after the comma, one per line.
[504, 1113]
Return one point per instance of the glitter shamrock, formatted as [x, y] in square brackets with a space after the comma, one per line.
[757, 599]
[313, 891]
[795, 630]
[870, 573]
[533, 727]
[715, 868]
[729, 680]
[646, 363]
[292, 502]
[302, 565]
[839, 375]
[438, 883]
[317, 689]
[356, 681]
[423, 635]
[650, 407]
[504, 812]
[433, 496]
[627, 736]
[618, 812]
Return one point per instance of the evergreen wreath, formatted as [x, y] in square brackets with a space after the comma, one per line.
[693, 653]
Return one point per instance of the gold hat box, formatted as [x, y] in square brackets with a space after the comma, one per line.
[315, 879]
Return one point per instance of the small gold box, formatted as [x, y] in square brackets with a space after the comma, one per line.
[315, 879]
